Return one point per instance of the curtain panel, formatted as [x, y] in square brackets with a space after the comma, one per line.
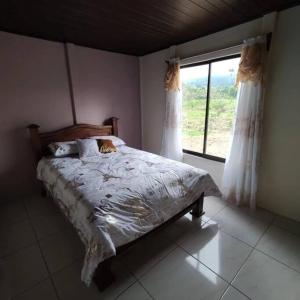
[171, 142]
[240, 174]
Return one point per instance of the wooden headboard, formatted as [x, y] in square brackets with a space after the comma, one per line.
[40, 141]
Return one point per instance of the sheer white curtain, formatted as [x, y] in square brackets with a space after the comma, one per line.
[171, 141]
[240, 173]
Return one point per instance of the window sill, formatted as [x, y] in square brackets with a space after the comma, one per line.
[206, 156]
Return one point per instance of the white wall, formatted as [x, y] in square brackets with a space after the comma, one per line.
[214, 168]
[278, 193]
[152, 72]
[279, 183]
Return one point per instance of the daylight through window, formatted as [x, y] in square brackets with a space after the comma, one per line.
[208, 99]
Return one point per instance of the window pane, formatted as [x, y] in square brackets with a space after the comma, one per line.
[194, 91]
[221, 106]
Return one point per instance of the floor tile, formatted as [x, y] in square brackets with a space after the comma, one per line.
[287, 224]
[240, 225]
[213, 205]
[263, 278]
[259, 213]
[281, 245]
[180, 276]
[188, 221]
[69, 285]
[16, 236]
[11, 212]
[26, 269]
[135, 292]
[45, 225]
[220, 252]
[233, 294]
[5, 280]
[62, 249]
[38, 205]
[179, 229]
[144, 255]
[43, 291]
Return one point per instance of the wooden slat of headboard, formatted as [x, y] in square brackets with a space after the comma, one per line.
[40, 141]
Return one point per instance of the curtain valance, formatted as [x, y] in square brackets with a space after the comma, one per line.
[252, 59]
[172, 77]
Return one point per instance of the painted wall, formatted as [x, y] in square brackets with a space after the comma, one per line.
[279, 184]
[107, 84]
[279, 188]
[214, 168]
[34, 89]
[152, 72]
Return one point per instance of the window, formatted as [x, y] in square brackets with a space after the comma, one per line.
[208, 99]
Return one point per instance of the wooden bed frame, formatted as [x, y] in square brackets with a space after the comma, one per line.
[103, 276]
[40, 141]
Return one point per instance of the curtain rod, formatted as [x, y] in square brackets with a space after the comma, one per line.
[182, 60]
[220, 51]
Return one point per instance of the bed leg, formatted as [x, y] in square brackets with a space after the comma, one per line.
[198, 208]
[103, 276]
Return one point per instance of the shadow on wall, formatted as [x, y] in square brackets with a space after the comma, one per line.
[18, 175]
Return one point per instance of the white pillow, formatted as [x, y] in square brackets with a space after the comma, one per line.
[61, 149]
[115, 140]
[87, 148]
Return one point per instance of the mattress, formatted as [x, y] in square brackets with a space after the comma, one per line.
[113, 199]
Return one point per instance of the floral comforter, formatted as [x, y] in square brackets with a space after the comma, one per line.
[115, 198]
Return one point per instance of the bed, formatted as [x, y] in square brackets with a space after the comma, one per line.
[115, 200]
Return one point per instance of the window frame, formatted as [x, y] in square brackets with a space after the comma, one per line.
[207, 62]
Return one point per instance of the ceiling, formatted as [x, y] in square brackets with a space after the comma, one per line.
[133, 27]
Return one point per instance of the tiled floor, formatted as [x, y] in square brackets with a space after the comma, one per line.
[230, 254]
